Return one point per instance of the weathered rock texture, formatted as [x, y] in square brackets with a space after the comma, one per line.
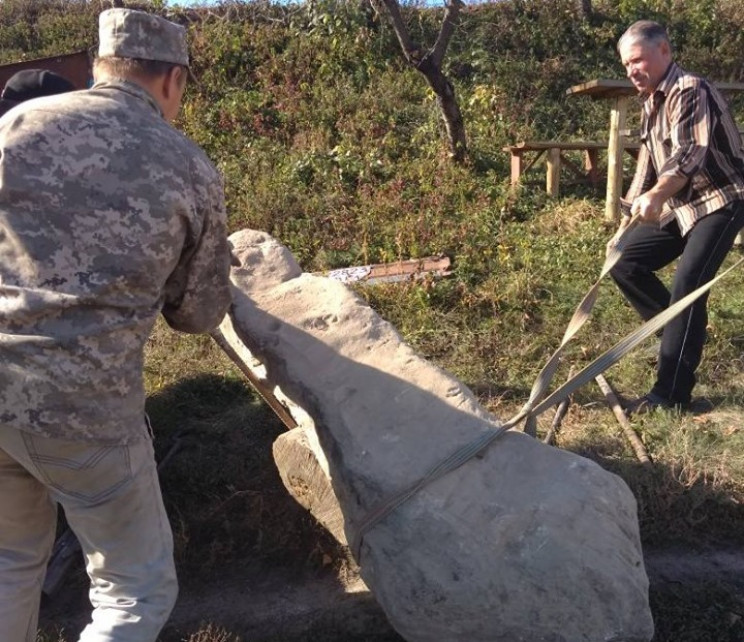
[524, 543]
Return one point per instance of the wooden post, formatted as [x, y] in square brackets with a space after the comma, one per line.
[615, 159]
[739, 240]
[516, 166]
[554, 171]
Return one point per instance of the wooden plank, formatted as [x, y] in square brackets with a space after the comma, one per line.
[404, 270]
[260, 386]
[74, 66]
[603, 88]
[535, 145]
[615, 87]
[530, 146]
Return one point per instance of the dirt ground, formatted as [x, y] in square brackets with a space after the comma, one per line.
[697, 596]
[253, 603]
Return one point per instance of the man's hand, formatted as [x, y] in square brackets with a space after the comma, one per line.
[648, 206]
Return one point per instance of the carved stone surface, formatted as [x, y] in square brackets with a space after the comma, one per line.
[525, 542]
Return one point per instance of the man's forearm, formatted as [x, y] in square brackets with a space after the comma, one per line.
[667, 186]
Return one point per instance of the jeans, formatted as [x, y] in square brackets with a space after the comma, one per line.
[112, 502]
[701, 252]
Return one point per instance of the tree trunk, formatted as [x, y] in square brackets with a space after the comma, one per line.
[584, 7]
[430, 65]
[449, 107]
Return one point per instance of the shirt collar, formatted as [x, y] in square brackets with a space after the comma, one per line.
[131, 88]
[667, 81]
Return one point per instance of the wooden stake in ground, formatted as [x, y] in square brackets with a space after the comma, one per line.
[612, 400]
[560, 413]
[262, 389]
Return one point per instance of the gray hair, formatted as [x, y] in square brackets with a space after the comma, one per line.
[126, 67]
[645, 31]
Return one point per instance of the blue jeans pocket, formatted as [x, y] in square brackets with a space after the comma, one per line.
[81, 471]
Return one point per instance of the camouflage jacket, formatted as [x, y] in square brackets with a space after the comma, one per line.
[108, 216]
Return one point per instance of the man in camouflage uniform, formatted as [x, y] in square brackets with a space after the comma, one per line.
[108, 216]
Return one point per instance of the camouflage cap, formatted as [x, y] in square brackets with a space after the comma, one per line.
[126, 33]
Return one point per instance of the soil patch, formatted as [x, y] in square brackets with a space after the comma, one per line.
[696, 596]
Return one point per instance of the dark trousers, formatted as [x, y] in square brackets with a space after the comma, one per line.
[701, 252]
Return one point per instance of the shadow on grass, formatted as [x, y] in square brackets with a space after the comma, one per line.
[222, 491]
[693, 597]
[675, 507]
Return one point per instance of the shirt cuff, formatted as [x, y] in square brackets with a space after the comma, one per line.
[625, 206]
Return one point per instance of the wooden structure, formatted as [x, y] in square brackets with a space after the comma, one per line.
[618, 92]
[556, 155]
[403, 270]
[76, 67]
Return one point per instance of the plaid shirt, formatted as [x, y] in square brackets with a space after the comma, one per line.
[688, 131]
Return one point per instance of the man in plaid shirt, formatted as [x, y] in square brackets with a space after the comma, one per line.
[688, 190]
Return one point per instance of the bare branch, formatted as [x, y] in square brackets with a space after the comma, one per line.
[429, 63]
[399, 26]
[449, 23]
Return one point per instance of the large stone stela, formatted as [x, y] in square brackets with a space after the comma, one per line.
[525, 542]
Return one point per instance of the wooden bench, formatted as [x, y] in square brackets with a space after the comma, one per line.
[555, 152]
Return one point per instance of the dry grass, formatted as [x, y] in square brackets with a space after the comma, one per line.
[212, 633]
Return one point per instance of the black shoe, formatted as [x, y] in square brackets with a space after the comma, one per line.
[651, 402]
[700, 406]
